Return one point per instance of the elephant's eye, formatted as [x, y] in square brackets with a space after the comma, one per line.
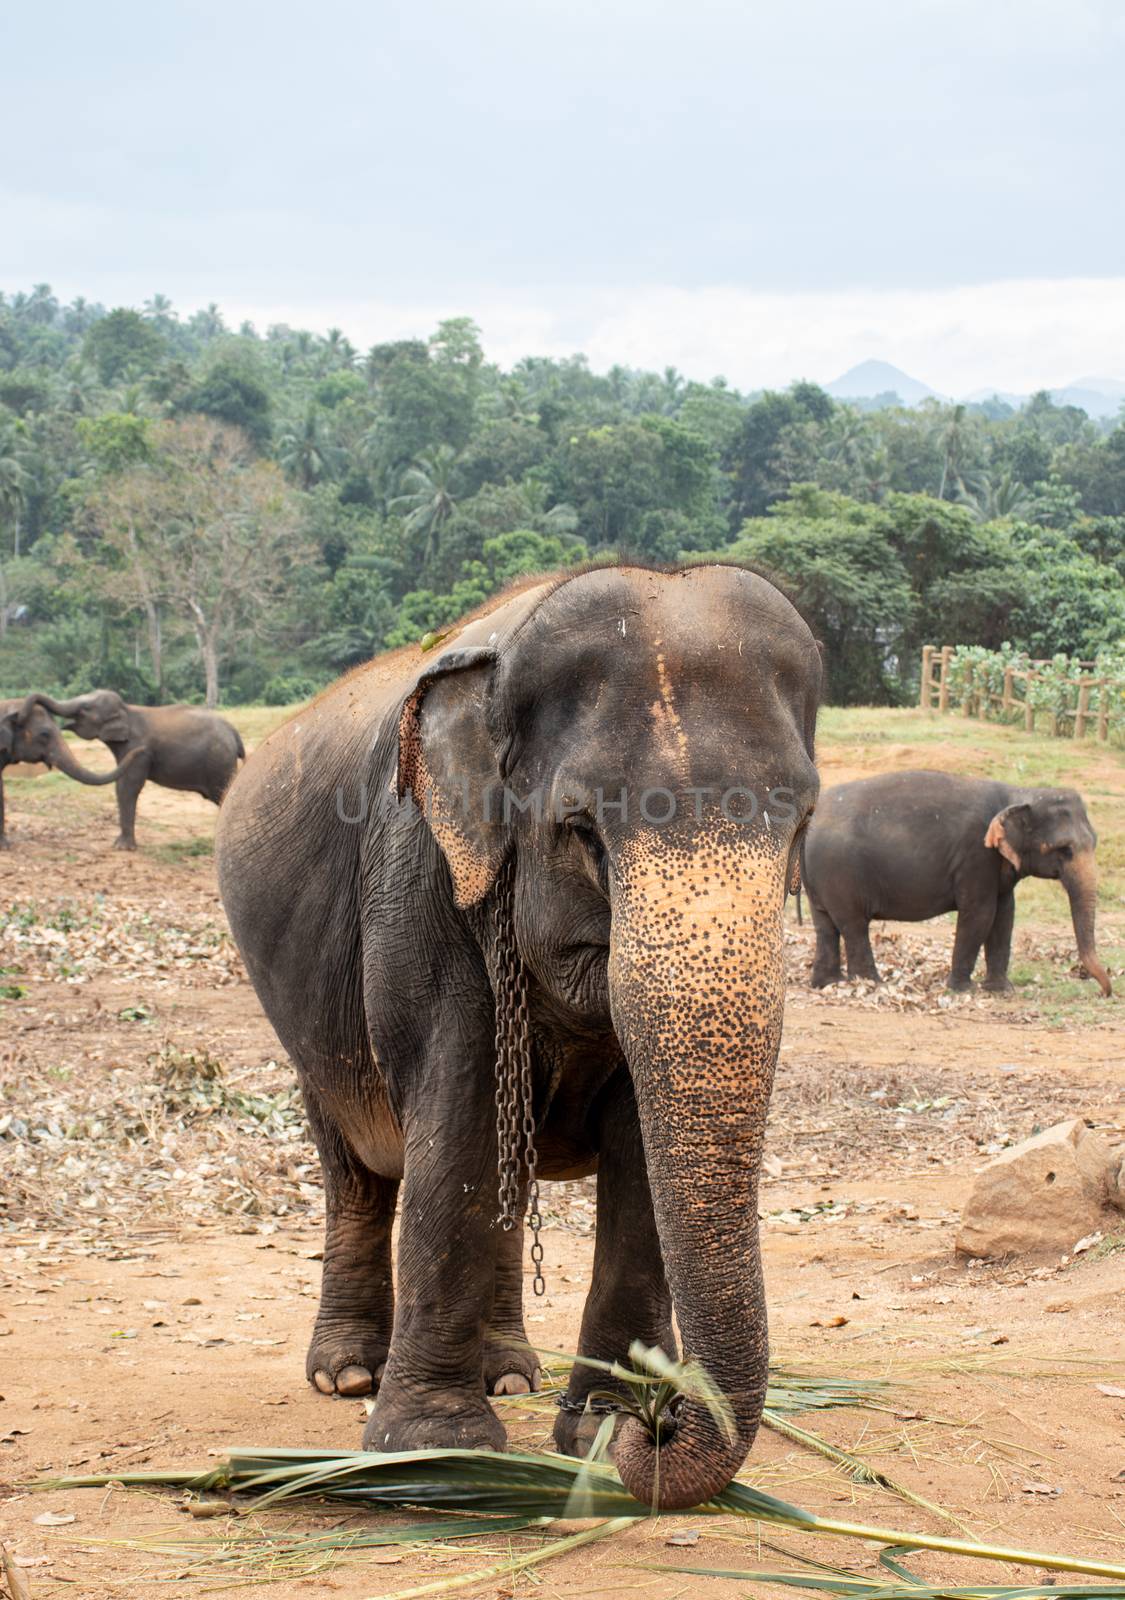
[1064, 851]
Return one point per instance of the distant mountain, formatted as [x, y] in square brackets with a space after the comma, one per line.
[875, 381]
[1100, 398]
[873, 378]
[1113, 387]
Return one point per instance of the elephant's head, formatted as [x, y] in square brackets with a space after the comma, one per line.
[28, 733]
[1047, 834]
[102, 714]
[642, 741]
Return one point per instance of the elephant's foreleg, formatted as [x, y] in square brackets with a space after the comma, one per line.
[974, 923]
[128, 789]
[511, 1366]
[629, 1297]
[998, 946]
[353, 1325]
[432, 1393]
[5, 842]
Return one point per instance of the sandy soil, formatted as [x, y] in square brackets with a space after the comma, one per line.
[159, 1235]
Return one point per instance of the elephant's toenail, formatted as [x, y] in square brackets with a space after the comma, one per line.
[512, 1383]
[353, 1380]
[323, 1381]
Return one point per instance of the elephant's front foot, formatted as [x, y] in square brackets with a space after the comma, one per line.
[823, 976]
[957, 985]
[5, 842]
[576, 1431]
[121, 843]
[511, 1366]
[432, 1419]
[345, 1359]
[998, 985]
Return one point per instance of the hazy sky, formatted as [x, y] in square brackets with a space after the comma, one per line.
[763, 188]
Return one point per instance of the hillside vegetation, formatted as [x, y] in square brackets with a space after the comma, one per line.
[193, 512]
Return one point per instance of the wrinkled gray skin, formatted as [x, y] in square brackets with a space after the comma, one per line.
[912, 845]
[178, 747]
[29, 734]
[655, 960]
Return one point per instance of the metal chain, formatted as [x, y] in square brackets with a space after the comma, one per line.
[515, 1116]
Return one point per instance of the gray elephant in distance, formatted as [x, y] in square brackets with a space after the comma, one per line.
[29, 734]
[567, 835]
[178, 747]
[907, 846]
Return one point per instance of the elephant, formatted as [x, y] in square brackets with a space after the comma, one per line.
[178, 747]
[564, 839]
[31, 735]
[910, 845]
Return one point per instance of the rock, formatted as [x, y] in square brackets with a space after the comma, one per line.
[1043, 1194]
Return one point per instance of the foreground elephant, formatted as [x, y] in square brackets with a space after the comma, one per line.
[912, 845]
[178, 747]
[29, 734]
[597, 786]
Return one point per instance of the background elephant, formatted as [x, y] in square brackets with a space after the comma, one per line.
[29, 734]
[179, 747]
[570, 831]
[911, 845]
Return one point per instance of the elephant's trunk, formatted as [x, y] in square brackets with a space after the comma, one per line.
[1080, 880]
[60, 757]
[57, 708]
[697, 989]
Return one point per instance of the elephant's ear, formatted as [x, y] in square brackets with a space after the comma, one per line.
[1007, 832]
[113, 720]
[8, 733]
[447, 762]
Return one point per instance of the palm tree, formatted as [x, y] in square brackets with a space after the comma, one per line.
[535, 514]
[848, 437]
[991, 498]
[338, 352]
[426, 496]
[953, 441]
[208, 323]
[158, 310]
[74, 390]
[78, 315]
[41, 305]
[15, 480]
[304, 451]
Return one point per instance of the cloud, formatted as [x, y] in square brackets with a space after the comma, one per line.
[1016, 335]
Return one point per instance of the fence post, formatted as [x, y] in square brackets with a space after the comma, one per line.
[1103, 710]
[967, 703]
[1009, 693]
[943, 687]
[1083, 710]
[1028, 709]
[926, 697]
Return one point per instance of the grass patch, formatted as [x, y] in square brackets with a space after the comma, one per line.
[177, 851]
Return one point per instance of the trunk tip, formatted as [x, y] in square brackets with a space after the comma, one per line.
[676, 1475]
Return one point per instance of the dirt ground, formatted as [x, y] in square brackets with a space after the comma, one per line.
[160, 1211]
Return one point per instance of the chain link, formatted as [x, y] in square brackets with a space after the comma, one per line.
[515, 1114]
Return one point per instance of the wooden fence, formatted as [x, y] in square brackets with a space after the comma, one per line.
[980, 701]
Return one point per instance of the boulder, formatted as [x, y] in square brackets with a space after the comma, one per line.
[1044, 1194]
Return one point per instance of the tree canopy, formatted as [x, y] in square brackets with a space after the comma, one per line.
[190, 512]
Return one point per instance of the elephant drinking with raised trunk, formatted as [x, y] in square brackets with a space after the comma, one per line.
[911, 845]
[178, 747]
[29, 734]
[556, 853]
